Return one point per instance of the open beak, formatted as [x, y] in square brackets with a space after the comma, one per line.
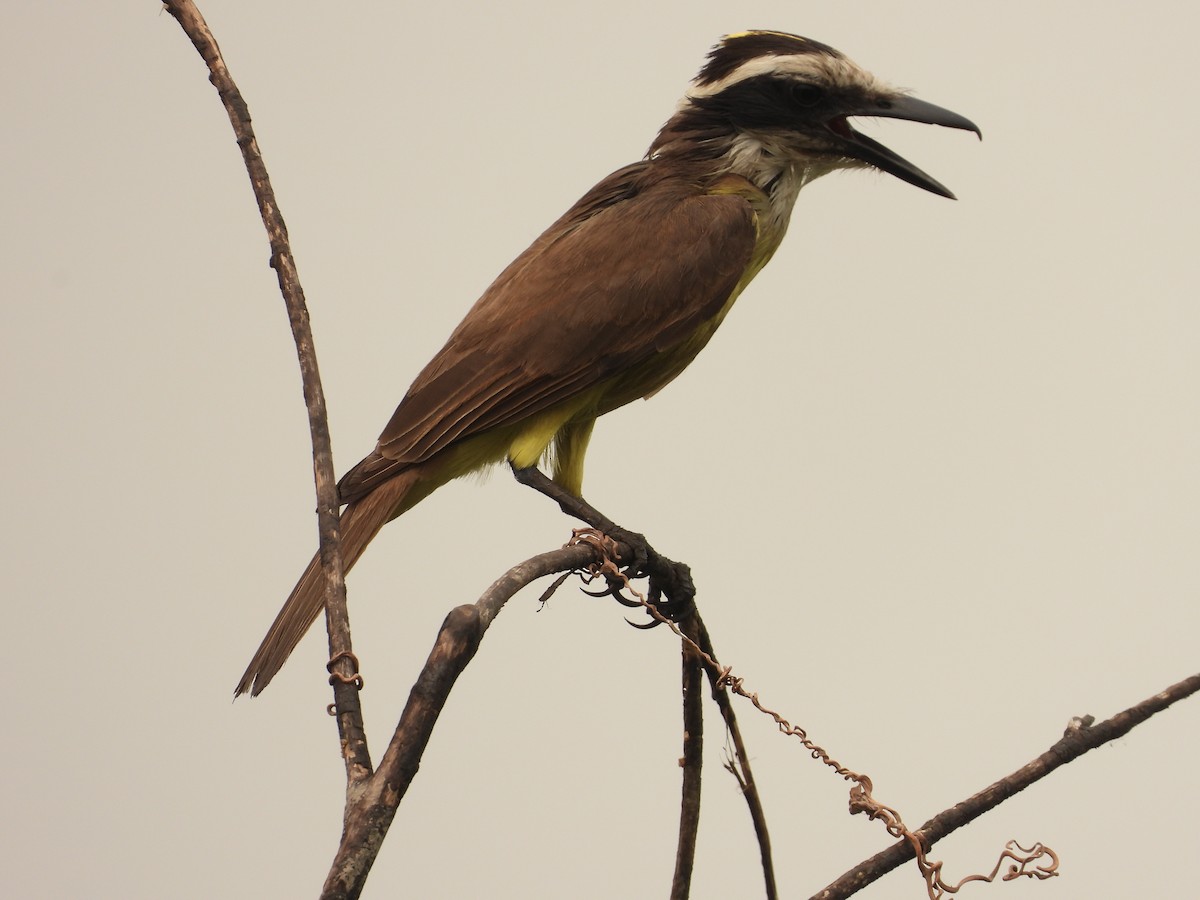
[874, 153]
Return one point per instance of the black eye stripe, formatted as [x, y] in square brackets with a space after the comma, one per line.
[771, 101]
[805, 93]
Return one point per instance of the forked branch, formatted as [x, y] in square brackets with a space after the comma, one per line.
[370, 811]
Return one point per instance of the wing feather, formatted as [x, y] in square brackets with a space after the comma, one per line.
[628, 273]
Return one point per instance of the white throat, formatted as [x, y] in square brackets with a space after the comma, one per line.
[776, 171]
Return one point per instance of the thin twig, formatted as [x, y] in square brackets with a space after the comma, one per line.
[345, 694]
[1075, 743]
[691, 762]
[742, 771]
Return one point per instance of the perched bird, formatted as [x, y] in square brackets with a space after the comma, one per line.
[620, 294]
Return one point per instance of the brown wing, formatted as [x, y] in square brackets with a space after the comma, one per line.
[631, 270]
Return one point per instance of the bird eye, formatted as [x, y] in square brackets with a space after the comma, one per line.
[806, 94]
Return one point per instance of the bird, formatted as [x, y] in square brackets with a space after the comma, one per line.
[620, 294]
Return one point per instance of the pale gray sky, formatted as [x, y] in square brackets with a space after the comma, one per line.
[936, 476]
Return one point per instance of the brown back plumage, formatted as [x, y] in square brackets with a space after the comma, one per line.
[580, 306]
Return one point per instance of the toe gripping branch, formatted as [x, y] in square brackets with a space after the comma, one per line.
[672, 591]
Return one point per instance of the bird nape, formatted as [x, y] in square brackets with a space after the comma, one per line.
[615, 299]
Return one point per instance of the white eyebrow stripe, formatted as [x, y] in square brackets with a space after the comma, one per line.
[819, 67]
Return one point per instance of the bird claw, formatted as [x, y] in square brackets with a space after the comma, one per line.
[671, 593]
[613, 590]
[623, 600]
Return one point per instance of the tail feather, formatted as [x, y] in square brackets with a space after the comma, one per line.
[360, 522]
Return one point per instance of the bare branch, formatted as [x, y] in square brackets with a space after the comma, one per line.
[1077, 741]
[740, 765]
[691, 762]
[370, 810]
[345, 693]
[370, 814]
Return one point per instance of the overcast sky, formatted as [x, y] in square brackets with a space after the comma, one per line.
[936, 476]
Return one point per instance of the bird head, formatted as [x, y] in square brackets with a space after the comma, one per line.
[768, 104]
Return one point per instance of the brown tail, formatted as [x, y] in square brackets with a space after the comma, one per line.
[361, 521]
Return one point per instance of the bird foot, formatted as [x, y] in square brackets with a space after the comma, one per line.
[672, 592]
